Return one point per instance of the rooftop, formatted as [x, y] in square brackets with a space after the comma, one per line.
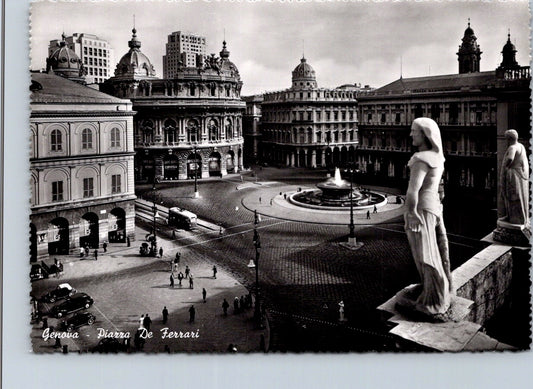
[49, 88]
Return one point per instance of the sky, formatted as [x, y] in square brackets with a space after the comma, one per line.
[346, 42]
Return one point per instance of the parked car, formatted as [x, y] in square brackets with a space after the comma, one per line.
[74, 303]
[37, 272]
[110, 345]
[62, 291]
[42, 270]
[78, 320]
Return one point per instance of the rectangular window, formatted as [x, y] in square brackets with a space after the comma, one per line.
[57, 191]
[335, 115]
[383, 118]
[88, 187]
[309, 115]
[397, 119]
[115, 183]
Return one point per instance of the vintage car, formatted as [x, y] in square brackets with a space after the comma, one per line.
[110, 345]
[37, 272]
[60, 292]
[42, 270]
[78, 320]
[74, 303]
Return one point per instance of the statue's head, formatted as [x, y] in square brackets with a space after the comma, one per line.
[429, 128]
[511, 136]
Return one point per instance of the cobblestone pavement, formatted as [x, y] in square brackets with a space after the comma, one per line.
[125, 286]
[304, 272]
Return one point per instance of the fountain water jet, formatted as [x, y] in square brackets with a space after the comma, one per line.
[334, 194]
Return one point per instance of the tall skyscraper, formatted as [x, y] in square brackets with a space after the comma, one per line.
[96, 55]
[182, 50]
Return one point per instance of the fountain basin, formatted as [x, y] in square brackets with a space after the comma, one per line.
[314, 199]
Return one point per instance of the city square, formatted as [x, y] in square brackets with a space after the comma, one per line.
[186, 209]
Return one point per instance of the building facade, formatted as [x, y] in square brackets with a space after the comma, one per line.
[187, 126]
[183, 50]
[95, 53]
[82, 166]
[307, 126]
[251, 129]
[473, 110]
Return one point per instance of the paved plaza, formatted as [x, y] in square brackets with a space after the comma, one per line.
[304, 271]
[125, 286]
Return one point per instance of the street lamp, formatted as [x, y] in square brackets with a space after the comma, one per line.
[255, 264]
[351, 237]
[154, 209]
[196, 194]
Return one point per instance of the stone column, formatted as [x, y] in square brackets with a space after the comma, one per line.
[313, 158]
[292, 158]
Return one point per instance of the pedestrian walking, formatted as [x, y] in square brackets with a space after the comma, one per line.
[368, 214]
[180, 278]
[259, 200]
[191, 282]
[161, 252]
[214, 272]
[375, 209]
[249, 300]
[284, 196]
[236, 306]
[204, 294]
[187, 271]
[165, 314]
[104, 246]
[82, 252]
[192, 314]
[128, 242]
[147, 322]
[241, 303]
[86, 250]
[225, 306]
[96, 255]
[141, 322]
[171, 280]
[177, 258]
[270, 201]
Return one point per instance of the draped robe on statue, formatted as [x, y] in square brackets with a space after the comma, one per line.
[435, 296]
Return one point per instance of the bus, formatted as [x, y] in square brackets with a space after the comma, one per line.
[181, 218]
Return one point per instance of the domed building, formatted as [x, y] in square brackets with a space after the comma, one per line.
[308, 126]
[64, 62]
[187, 126]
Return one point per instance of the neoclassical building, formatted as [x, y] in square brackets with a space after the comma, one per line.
[308, 126]
[187, 125]
[472, 108]
[81, 164]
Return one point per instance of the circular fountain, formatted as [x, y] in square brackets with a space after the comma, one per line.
[335, 194]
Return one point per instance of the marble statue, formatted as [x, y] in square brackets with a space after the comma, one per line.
[514, 181]
[424, 223]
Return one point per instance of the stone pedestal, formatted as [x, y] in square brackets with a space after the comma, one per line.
[512, 234]
[352, 244]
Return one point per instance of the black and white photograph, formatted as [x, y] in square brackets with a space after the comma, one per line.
[278, 177]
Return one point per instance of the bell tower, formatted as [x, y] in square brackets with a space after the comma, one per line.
[469, 54]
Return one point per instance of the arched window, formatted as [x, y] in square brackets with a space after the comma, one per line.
[86, 139]
[147, 131]
[213, 130]
[56, 141]
[192, 89]
[229, 129]
[115, 137]
[170, 131]
[192, 131]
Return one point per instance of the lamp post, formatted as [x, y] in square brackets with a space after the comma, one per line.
[351, 238]
[255, 264]
[154, 209]
[196, 194]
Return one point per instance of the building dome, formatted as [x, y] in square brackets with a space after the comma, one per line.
[134, 63]
[509, 54]
[303, 76]
[65, 62]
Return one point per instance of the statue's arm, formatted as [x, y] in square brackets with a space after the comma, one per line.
[413, 221]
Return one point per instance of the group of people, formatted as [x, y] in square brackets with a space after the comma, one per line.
[85, 251]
